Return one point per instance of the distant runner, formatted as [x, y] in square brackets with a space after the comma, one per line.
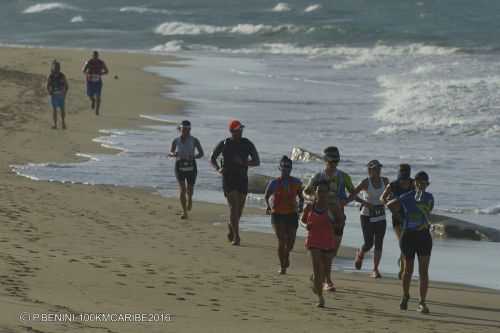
[94, 69]
[339, 182]
[395, 189]
[57, 87]
[238, 155]
[320, 239]
[285, 190]
[373, 221]
[183, 149]
[415, 207]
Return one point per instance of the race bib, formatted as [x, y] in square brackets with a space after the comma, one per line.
[186, 165]
[377, 213]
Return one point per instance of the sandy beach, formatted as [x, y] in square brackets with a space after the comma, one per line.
[68, 248]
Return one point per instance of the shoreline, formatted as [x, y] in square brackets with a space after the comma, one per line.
[78, 248]
[141, 119]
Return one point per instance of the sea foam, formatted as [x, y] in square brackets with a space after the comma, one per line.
[43, 7]
[181, 28]
[281, 7]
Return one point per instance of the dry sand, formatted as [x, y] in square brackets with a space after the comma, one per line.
[96, 249]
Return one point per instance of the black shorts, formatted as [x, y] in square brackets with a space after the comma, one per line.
[416, 242]
[288, 219]
[186, 176]
[232, 183]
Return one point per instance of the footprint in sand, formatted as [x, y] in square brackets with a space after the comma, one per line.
[172, 294]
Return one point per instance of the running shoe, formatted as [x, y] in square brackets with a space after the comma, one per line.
[404, 302]
[422, 308]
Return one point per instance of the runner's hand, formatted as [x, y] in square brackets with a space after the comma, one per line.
[220, 171]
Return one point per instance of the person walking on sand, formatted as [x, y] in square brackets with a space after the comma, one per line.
[94, 69]
[184, 149]
[415, 207]
[339, 182]
[373, 222]
[284, 211]
[57, 87]
[238, 154]
[320, 238]
[403, 184]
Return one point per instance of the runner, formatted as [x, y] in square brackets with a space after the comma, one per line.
[183, 149]
[373, 222]
[94, 69]
[236, 151]
[284, 212]
[403, 184]
[320, 239]
[338, 182]
[57, 87]
[415, 207]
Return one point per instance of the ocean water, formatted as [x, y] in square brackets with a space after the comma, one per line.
[400, 81]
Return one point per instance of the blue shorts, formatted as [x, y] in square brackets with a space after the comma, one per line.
[57, 101]
[94, 88]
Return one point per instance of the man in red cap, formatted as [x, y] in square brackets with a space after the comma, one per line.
[238, 154]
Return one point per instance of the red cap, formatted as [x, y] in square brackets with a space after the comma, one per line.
[235, 125]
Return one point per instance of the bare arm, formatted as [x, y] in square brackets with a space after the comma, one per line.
[267, 196]
[301, 201]
[215, 154]
[173, 148]
[384, 198]
[104, 69]
[308, 192]
[66, 85]
[363, 186]
[49, 86]
[394, 205]
[254, 157]
[198, 147]
[85, 67]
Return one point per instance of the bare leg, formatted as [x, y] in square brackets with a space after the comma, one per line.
[377, 256]
[291, 233]
[279, 231]
[97, 105]
[318, 275]
[397, 231]
[54, 117]
[92, 102]
[235, 200]
[190, 191]
[63, 117]
[408, 272]
[423, 271]
[182, 198]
